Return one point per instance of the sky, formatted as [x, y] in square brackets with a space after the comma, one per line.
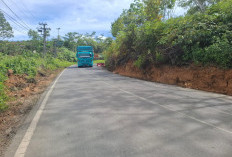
[70, 15]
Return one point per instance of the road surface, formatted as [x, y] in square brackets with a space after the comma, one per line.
[91, 112]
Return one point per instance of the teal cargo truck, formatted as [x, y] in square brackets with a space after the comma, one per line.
[85, 56]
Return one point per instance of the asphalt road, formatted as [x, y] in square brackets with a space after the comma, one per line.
[94, 113]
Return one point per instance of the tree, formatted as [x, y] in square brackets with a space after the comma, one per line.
[117, 26]
[129, 19]
[157, 9]
[69, 40]
[152, 9]
[196, 5]
[35, 40]
[34, 35]
[139, 12]
[5, 28]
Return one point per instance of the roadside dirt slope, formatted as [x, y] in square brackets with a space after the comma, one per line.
[24, 94]
[203, 78]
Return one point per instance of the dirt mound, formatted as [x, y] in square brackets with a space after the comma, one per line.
[204, 78]
[24, 93]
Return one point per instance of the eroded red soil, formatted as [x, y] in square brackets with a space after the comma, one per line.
[24, 93]
[203, 78]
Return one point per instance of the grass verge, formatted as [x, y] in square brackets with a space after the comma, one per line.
[27, 64]
[98, 61]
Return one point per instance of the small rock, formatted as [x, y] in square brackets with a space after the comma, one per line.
[14, 88]
[31, 80]
[8, 131]
[41, 73]
[27, 89]
[21, 111]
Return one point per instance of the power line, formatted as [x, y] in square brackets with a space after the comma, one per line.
[14, 25]
[20, 9]
[17, 28]
[20, 31]
[25, 7]
[14, 20]
[15, 14]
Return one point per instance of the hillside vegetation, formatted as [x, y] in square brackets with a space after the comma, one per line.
[24, 62]
[147, 37]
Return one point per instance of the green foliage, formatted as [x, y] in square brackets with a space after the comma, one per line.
[29, 63]
[159, 58]
[218, 53]
[70, 40]
[66, 55]
[117, 26]
[110, 55]
[73, 39]
[21, 65]
[196, 5]
[20, 47]
[98, 61]
[3, 97]
[3, 77]
[140, 62]
[202, 38]
[129, 19]
[36, 41]
[34, 35]
[5, 28]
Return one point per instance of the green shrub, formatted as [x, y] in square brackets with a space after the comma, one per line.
[28, 63]
[66, 55]
[140, 62]
[219, 53]
[99, 61]
[201, 38]
[159, 58]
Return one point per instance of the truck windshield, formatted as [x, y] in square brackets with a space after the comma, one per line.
[84, 55]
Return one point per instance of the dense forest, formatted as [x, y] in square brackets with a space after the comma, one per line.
[147, 34]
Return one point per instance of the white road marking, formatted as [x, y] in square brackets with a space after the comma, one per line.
[30, 131]
[170, 109]
[210, 107]
[218, 110]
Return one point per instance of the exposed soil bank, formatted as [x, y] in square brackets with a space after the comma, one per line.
[203, 78]
[24, 94]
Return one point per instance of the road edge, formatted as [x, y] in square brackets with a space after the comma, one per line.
[21, 134]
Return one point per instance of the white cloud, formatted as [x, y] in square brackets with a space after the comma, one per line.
[93, 20]
[71, 15]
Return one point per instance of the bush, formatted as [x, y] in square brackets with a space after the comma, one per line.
[140, 62]
[201, 38]
[66, 55]
[28, 63]
[3, 97]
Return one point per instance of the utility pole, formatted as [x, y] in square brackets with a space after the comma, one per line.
[44, 31]
[54, 47]
[58, 33]
[56, 43]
